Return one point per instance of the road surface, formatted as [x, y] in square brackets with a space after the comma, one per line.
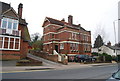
[93, 72]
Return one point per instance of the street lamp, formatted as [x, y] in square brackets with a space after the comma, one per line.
[115, 29]
[115, 36]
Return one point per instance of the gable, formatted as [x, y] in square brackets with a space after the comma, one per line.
[46, 22]
[10, 13]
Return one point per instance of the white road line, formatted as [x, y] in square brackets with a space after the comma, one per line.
[23, 71]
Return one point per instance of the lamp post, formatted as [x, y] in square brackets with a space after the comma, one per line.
[115, 36]
[115, 29]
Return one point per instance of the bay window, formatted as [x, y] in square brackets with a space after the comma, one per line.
[9, 43]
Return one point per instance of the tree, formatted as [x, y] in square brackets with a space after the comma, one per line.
[101, 31]
[38, 45]
[36, 41]
[35, 37]
[98, 42]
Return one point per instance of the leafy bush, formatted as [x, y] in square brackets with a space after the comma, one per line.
[105, 57]
[95, 54]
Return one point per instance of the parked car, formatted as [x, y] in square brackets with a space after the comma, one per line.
[82, 58]
[115, 76]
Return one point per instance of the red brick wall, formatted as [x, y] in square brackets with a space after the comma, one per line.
[9, 55]
[45, 56]
[23, 44]
[64, 36]
[23, 49]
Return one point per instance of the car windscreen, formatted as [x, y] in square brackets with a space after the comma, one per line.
[117, 75]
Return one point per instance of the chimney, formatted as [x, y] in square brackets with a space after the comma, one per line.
[63, 19]
[70, 19]
[79, 25]
[109, 43]
[20, 7]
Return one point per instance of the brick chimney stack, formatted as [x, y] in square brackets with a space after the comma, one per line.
[70, 19]
[20, 7]
[109, 43]
[63, 19]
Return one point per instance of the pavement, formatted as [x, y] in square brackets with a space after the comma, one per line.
[12, 69]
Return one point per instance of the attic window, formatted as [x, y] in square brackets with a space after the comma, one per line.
[8, 23]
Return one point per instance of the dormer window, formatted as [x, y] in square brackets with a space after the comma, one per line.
[8, 23]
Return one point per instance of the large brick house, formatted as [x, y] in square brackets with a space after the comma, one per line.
[65, 37]
[14, 35]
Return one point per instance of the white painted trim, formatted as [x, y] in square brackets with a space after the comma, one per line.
[19, 44]
[3, 42]
[47, 26]
[49, 33]
[12, 10]
[70, 42]
[66, 42]
[7, 20]
[8, 49]
[72, 54]
[65, 31]
[47, 43]
[51, 25]
[9, 36]
[9, 43]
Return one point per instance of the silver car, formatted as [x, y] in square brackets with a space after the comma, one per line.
[115, 76]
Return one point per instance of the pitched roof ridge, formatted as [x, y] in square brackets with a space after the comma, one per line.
[58, 20]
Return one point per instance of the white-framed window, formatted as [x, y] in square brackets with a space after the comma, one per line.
[9, 43]
[62, 46]
[71, 46]
[76, 46]
[86, 38]
[85, 47]
[73, 36]
[8, 23]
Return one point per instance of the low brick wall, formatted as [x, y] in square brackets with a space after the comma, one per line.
[44, 55]
[29, 62]
[53, 58]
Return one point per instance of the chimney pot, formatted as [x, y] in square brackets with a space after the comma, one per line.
[63, 19]
[70, 19]
[109, 43]
[20, 7]
[79, 25]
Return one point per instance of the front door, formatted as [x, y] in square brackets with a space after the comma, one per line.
[56, 48]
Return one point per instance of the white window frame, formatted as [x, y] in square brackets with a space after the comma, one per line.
[9, 43]
[12, 20]
[74, 36]
[62, 46]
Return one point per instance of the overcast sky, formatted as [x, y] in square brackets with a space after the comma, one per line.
[93, 15]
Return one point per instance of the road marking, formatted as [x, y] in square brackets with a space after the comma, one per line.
[23, 71]
[102, 65]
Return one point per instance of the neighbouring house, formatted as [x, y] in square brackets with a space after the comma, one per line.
[110, 50]
[65, 38]
[14, 34]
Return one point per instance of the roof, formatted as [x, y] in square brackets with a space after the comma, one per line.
[4, 7]
[54, 21]
[26, 35]
[113, 47]
[63, 23]
[22, 21]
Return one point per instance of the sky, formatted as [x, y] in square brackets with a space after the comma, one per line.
[96, 16]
